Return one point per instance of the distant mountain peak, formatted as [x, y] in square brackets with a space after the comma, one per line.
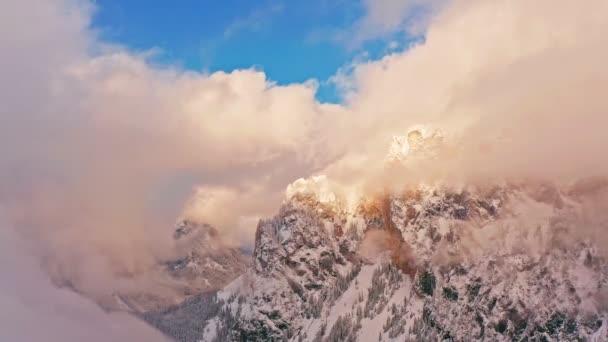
[419, 142]
[317, 186]
[205, 264]
[186, 228]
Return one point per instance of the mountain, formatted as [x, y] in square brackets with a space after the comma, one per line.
[504, 263]
[207, 264]
[507, 262]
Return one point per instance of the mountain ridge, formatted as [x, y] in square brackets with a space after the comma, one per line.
[300, 278]
[428, 262]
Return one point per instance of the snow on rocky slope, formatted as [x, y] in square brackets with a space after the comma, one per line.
[206, 265]
[511, 262]
[472, 264]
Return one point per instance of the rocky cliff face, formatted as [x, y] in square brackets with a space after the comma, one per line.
[207, 264]
[510, 262]
[503, 263]
[210, 263]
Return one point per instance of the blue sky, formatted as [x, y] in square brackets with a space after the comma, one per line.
[292, 41]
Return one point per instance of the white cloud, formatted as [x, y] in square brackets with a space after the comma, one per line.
[35, 310]
[529, 72]
[255, 21]
[89, 139]
[386, 17]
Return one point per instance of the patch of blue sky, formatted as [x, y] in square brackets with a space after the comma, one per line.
[292, 42]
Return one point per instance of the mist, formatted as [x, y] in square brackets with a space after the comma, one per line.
[34, 309]
[101, 151]
[515, 87]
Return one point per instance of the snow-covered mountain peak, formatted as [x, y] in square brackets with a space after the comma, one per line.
[427, 262]
[205, 263]
[187, 229]
[446, 264]
[419, 142]
[317, 186]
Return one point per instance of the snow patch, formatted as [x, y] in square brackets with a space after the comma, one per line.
[317, 186]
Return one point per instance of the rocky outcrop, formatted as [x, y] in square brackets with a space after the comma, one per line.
[207, 263]
[453, 264]
[509, 262]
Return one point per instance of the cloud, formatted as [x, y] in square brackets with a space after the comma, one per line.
[101, 151]
[517, 95]
[383, 18]
[33, 309]
[218, 205]
[94, 142]
[255, 21]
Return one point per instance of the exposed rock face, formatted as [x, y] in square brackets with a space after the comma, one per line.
[419, 143]
[470, 264]
[208, 264]
[512, 262]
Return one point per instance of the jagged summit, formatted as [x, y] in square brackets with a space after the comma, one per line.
[508, 262]
[317, 186]
[206, 264]
[445, 264]
[210, 263]
[186, 228]
[419, 142]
